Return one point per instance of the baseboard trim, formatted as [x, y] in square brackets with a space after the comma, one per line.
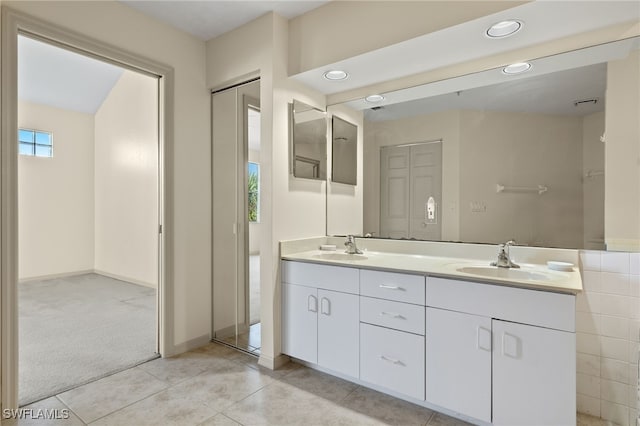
[189, 345]
[54, 276]
[123, 278]
[273, 363]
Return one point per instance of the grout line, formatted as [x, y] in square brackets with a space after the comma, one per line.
[70, 410]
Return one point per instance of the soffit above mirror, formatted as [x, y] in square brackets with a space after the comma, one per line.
[543, 22]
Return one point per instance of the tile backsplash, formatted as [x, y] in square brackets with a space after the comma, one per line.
[608, 331]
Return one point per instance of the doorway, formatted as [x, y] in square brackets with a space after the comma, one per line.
[236, 216]
[411, 191]
[88, 209]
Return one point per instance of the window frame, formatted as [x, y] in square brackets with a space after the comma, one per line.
[34, 144]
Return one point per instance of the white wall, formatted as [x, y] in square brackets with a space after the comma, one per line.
[622, 154]
[118, 25]
[126, 181]
[593, 187]
[55, 195]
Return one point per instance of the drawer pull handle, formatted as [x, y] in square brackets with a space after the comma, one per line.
[392, 314]
[312, 303]
[391, 360]
[391, 287]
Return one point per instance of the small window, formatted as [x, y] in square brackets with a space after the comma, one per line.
[35, 143]
[254, 192]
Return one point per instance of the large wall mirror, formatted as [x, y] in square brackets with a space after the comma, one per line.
[308, 141]
[489, 157]
[344, 151]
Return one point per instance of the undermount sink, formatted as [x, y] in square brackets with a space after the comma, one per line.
[506, 273]
[340, 256]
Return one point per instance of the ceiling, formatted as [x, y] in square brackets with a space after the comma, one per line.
[208, 19]
[543, 21]
[63, 79]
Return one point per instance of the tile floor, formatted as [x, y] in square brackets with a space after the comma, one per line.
[216, 385]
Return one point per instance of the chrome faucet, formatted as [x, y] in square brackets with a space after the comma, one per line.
[504, 261]
[350, 243]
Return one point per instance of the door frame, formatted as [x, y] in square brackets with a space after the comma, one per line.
[15, 23]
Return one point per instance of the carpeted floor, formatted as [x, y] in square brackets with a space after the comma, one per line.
[77, 329]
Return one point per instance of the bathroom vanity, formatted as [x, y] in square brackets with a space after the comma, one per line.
[487, 345]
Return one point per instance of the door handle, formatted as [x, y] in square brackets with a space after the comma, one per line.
[511, 345]
[323, 310]
[312, 303]
[480, 330]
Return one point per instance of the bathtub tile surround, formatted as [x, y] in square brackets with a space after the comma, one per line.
[608, 327]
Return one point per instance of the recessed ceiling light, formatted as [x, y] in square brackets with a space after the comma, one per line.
[517, 68]
[504, 28]
[335, 75]
[374, 98]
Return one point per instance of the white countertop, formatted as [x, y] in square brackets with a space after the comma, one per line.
[532, 276]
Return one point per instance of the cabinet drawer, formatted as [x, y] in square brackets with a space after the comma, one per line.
[393, 286]
[327, 277]
[398, 315]
[541, 308]
[392, 359]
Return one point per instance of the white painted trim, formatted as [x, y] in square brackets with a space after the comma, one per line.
[54, 276]
[87, 271]
[189, 345]
[273, 363]
[14, 23]
[123, 278]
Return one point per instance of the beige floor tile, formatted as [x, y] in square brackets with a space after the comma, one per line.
[32, 415]
[220, 389]
[285, 405]
[110, 394]
[185, 366]
[387, 409]
[319, 384]
[219, 420]
[279, 373]
[587, 420]
[439, 419]
[171, 407]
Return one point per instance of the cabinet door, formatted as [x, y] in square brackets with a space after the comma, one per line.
[338, 325]
[534, 375]
[458, 362]
[300, 322]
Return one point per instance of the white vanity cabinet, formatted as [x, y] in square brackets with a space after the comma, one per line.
[501, 354]
[321, 321]
[392, 331]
